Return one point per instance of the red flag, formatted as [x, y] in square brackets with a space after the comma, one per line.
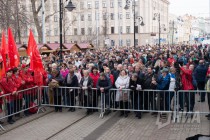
[4, 50]
[30, 46]
[36, 61]
[13, 52]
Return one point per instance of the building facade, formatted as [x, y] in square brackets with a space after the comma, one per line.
[105, 22]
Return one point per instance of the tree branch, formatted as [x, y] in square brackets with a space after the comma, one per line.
[40, 6]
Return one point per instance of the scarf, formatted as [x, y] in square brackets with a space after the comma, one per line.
[69, 79]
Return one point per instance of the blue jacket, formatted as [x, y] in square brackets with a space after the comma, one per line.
[163, 82]
[200, 73]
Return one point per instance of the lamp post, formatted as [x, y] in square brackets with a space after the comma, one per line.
[157, 15]
[134, 19]
[69, 7]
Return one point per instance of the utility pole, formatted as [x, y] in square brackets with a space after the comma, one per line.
[43, 22]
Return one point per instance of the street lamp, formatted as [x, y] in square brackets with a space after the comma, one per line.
[157, 15]
[69, 7]
[134, 19]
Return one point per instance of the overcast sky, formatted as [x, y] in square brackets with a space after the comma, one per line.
[193, 7]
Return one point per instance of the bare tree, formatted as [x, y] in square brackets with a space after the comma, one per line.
[36, 10]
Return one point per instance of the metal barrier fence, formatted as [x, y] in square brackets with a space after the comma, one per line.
[125, 100]
[71, 97]
[22, 101]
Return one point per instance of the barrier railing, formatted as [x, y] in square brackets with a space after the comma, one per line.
[124, 100]
[21, 101]
[71, 97]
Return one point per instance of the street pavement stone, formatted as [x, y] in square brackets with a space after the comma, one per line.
[121, 128]
[83, 128]
[44, 127]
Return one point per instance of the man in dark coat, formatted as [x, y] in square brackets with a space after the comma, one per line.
[200, 75]
[103, 86]
[71, 81]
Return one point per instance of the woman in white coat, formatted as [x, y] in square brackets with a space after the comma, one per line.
[122, 94]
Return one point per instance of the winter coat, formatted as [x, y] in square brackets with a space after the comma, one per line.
[89, 89]
[95, 78]
[56, 90]
[74, 83]
[163, 82]
[200, 73]
[122, 95]
[18, 84]
[106, 84]
[187, 80]
[8, 86]
[148, 81]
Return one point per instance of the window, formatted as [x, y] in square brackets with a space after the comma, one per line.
[119, 3]
[96, 4]
[82, 31]
[136, 29]
[111, 4]
[89, 31]
[120, 29]
[127, 29]
[55, 6]
[56, 31]
[120, 16]
[112, 16]
[97, 16]
[75, 31]
[112, 43]
[89, 17]
[104, 4]
[104, 31]
[89, 5]
[112, 30]
[127, 15]
[82, 17]
[128, 42]
[55, 18]
[81, 5]
[104, 16]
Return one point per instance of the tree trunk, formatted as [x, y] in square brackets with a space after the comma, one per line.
[18, 23]
[36, 20]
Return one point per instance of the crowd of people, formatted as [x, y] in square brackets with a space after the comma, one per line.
[141, 70]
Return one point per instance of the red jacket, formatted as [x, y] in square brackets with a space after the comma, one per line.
[8, 86]
[18, 84]
[208, 72]
[111, 78]
[171, 60]
[29, 82]
[94, 78]
[186, 79]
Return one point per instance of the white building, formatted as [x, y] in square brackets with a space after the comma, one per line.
[95, 21]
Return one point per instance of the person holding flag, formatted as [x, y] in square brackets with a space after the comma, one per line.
[8, 87]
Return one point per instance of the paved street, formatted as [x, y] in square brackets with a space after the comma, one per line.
[77, 126]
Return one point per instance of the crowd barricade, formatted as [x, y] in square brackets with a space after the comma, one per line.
[93, 100]
[72, 98]
[190, 101]
[141, 101]
[26, 101]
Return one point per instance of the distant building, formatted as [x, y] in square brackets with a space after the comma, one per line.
[104, 22]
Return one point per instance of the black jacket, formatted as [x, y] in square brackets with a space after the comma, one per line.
[106, 84]
[74, 82]
[148, 81]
